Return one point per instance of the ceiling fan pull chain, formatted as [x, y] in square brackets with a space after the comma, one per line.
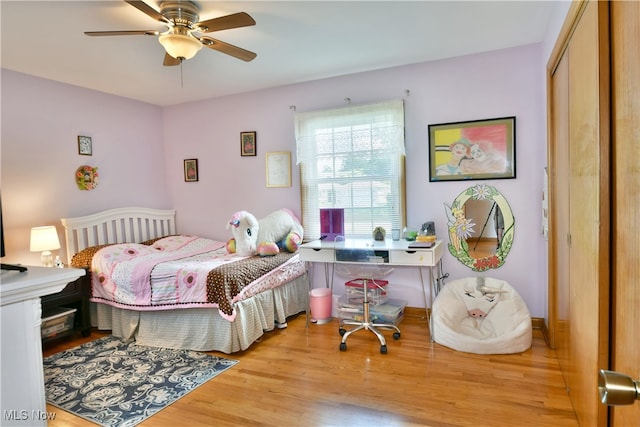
[181, 76]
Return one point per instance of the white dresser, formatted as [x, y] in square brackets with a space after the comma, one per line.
[22, 398]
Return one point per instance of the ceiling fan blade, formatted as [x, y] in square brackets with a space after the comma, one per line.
[145, 8]
[123, 33]
[235, 20]
[229, 49]
[170, 61]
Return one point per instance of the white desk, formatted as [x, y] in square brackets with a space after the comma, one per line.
[387, 253]
[23, 399]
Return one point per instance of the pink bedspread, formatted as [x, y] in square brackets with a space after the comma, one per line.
[176, 272]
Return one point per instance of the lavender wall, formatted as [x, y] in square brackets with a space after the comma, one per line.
[496, 84]
[41, 120]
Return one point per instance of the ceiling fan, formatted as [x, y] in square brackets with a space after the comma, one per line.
[181, 40]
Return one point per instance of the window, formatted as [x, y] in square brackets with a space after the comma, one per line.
[353, 158]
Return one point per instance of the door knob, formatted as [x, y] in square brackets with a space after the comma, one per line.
[617, 389]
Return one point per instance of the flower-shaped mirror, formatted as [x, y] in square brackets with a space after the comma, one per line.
[480, 215]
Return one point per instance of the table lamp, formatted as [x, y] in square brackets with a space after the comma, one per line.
[45, 239]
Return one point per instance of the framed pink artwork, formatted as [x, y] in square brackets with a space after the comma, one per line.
[479, 149]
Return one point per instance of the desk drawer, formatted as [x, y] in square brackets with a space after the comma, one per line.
[411, 257]
[316, 255]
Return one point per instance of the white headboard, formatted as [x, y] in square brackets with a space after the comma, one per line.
[121, 225]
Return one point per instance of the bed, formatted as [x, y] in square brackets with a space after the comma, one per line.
[225, 320]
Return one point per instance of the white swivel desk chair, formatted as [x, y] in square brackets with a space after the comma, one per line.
[370, 270]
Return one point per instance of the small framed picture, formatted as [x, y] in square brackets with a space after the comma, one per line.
[279, 169]
[248, 144]
[84, 145]
[190, 170]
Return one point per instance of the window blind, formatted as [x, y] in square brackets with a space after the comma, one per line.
[352, 158]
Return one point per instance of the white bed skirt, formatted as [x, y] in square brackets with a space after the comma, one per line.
[203, 329]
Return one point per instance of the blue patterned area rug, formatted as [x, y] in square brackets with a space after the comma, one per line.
[113, 383]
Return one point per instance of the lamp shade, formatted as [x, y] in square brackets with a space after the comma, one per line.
[44, 239]
[180, 46]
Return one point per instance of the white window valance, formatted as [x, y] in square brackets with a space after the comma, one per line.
[386, 118]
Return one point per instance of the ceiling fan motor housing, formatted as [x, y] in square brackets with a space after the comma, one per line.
[181, 13]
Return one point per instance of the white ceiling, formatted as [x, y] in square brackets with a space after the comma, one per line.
[296, 41]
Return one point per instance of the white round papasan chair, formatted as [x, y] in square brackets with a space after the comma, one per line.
[481, 315]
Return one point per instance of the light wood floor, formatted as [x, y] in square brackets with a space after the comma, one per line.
[298, 377]
[482, 248]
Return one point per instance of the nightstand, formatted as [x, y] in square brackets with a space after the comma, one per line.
[75, 295]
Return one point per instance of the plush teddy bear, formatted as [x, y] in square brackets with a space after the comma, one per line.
[280, 230]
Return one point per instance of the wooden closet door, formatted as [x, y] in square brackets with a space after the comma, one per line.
[625, 343]
[589, 210]
[559, 215]
[579, 251]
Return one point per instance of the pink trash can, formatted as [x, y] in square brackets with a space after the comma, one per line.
[320, 303]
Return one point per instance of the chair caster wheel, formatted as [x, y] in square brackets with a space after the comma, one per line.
[342, 331]
[383, 349]
[396, 336]
[343, 346]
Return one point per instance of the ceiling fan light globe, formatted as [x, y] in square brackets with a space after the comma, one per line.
[180, 46]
